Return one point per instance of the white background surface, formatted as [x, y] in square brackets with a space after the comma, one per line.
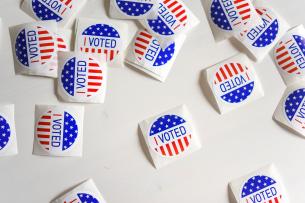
[233, 144]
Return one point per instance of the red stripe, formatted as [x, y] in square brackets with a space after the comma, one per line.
[169, 150]
[94, 83]
[234, 69]
[140, 45]
[165, 1]
[240, 67]
[93, 64]
[282, 54]
[45, 38]
[244, 11]
[285, 60]
[92, 50]
[259, 11]
[139, 52]
[94, 71]
[146, 35]
[92, 90]
[43, 136]
[44, 123]
[43, 32]
[292, 70]
[180, 13]
[43, 129]
[223, 73]
[237, 1]
[177, 8]
[46, 50]
[60, 40]
[46, 44]
[180, 145]
[288, 65]
[162, 150]
[95, 77]
[228, 70]
[186, 141]
[62, 46]
[182, 19]
[142, 40]
[242, 5]
[46, 117]
[44, 142]
[246, 17]
[175, 147]
[45, 57]
[111, 54]
[218, 77]
[276, 200]
[172, 4]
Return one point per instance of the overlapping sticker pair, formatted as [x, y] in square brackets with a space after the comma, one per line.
[61, 11]
[35, 46]
[58, 130]
[263, 185]
[170, 136]
[233, 83]
[8, 139]
[260, 38]
[291, 109]
[133, 9]
[146, 54]
[86, 192]
[174, 18]
[105, 41]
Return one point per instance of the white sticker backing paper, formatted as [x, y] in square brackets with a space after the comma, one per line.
[86, 192]
[170, 136]
[35, 48]
[263, 185]
[234, 83]
[8, 140]
[146, 54]
[133, 9]
[291, 109]
[58, 130]
[82, 78]
[289, 55]
[61, 11]
[174, 19]
[106, 41]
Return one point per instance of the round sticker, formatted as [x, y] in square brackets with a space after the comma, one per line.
[295, 108]
[290, 54]
[101, 39]
[35, 46]
[5, 132]
[261, 189]
[134, 7]
[169, 135]
[233, 82]
[51, 9]
[172, 18]
[264, 34]
[230, 14]
[84, 197]
[148, 51]
[81, 77]
[56, 131]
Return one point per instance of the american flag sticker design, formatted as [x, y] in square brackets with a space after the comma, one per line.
[5, 132]
[101, 39]
[231, 14]
[262, 189]
[294, 107]
[148, 51]
[82, 77]
[170, 135]
[134, 7]
[56, 131]
[52, 9]
[265, 33]
[290, 54]
[61, 43]
[35, 46]
[81, 198]
[172, 17]
[233, 82]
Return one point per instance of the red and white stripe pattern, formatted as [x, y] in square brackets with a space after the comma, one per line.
[178, 10]
[47, 45]
[43, 129]
[244, 10]
[61, 44]
[68, 4]
[283, 58]
[141, 43]
[95, 78]
[229, 70]
[174, 147]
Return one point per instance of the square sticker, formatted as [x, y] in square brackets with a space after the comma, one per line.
[58, 130]
[170, 136]
[233, 83]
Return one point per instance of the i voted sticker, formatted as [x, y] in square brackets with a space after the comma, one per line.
[35, 46]
[52, 9]
[56, 132]
[82, 77]
[170, 135]
[261, 188]
[148, 51]
[134, 7]
[233, 82]
[230, 14]
[101, 39]
[172, 18]
[5, 132]
[81, 197]
[264, 34]
[294, 107]
[290, 54]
